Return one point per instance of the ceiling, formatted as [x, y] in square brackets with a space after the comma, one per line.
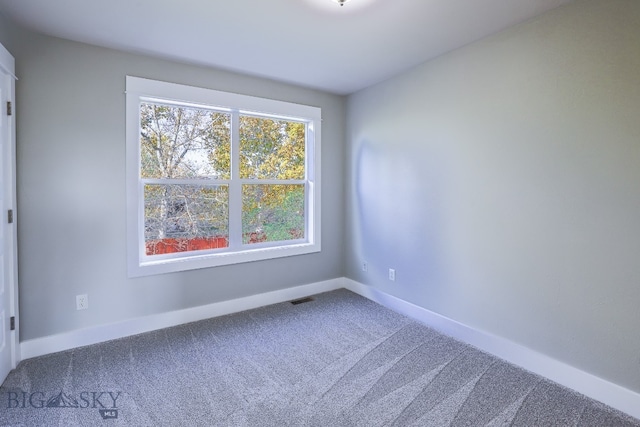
[313, 43]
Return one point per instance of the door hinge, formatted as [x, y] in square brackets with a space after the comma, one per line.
[10, 216]
[9, 110]
[12, 323]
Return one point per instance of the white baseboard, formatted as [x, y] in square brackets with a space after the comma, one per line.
[96, 334]
[589, 385]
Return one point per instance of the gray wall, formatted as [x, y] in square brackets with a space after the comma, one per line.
[502, 182]
[71, 189]
[8, 33]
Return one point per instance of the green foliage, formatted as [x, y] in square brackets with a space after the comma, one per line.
[180, 142]
[183, 142]
[185, 211]
[277, 211]
[271, 149]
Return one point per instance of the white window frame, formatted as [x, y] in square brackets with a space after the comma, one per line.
[139, 90]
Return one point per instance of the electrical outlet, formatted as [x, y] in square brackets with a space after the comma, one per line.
[392, 274]
[82, 302]
[365, 267]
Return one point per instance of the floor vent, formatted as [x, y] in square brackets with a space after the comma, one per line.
[301, 301]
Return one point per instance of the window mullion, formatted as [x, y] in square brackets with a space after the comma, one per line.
[309, 174]
[192, 209]
[235, 186]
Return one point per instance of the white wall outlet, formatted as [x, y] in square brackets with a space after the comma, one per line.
[82, 302]
[365, 266]
[392, 274]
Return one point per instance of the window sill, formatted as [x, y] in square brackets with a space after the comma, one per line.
[198, 261]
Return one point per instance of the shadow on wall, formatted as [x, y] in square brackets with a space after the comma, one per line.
[400, 219]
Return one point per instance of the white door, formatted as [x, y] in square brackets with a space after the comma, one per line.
[8, 289]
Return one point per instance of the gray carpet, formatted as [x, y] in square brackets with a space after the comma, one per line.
[339, 360]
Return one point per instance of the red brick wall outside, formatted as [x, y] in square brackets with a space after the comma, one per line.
[170, 246]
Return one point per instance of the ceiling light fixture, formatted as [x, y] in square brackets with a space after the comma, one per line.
[341, 2]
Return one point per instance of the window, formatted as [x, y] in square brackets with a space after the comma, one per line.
[215, 178]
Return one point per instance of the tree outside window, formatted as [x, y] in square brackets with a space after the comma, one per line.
[215, 178]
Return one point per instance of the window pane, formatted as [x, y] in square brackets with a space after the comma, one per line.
[271, 149]
[181, 218]
[272, 213]
[184, 142]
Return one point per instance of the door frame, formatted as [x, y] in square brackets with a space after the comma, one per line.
[7, 71]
